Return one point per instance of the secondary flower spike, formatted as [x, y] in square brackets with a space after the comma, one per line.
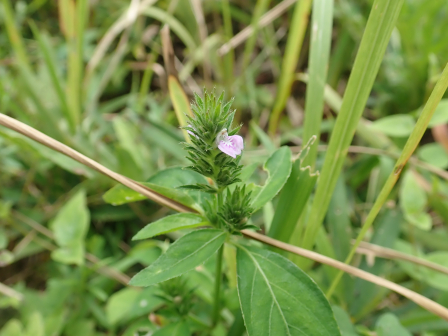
[231, 145]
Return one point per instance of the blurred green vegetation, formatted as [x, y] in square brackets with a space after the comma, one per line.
[92, 75]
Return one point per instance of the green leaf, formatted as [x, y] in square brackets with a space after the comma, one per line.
[435, 154]
[293, 198]
[129, 303]
[35, 325]
[174, 329]
[165, 183]
[388, 324]
[320, 45]
[413, 201]
[440, 116]
[277, 298]
[381, 22]
[398, 125]
[278, 167]
[70, 228]
[182, 256]
[433, 278]
[170, 224]
[127, 136]
[12, 328]
[344, 322]
[437, 279]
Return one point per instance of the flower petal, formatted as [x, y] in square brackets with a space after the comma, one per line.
[228, 149]
[237, 141]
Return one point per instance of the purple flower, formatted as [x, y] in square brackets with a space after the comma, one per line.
[231, 145]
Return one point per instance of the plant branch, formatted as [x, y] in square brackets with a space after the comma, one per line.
[387, 253]
[55, 145]
[37, 136]
[422, 301]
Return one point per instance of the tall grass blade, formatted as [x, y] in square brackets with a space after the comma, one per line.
[14, 35]
[259, 10]
[229, 58]
[292, 52]
[411, 145]
[50, 62]
[180, 103]
[321, 26]
[379, 27]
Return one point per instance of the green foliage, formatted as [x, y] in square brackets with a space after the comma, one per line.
[91, 75]
[170, 224]
[278, 167]
[413, 202]
[388, 324]
[185, 254]
[269, 286]
[70, 228]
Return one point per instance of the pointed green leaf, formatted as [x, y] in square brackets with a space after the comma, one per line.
[129, 303]
[70, 228]
[278, 167]
[413, 202]
[182, 256]
[398, 125]
[277, 298]
[170, 224]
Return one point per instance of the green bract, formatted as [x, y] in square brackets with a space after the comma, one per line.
[211, 116]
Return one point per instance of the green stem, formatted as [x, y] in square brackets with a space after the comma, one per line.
[218, 276]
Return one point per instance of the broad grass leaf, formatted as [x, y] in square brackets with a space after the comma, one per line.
[277, 298]
[174, 329]
[278, 167]
[399, 125]
[182, 256]
[388, 325]
[129, 303]
[70, 227]
[170, 224]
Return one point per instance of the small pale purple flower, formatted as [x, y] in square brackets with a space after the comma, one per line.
[231, 145]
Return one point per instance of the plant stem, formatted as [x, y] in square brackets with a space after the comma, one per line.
[218, 276]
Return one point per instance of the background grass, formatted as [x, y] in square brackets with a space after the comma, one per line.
[97, 76]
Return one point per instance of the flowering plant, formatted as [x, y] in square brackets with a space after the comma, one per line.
[215, 151]
[222, 205]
